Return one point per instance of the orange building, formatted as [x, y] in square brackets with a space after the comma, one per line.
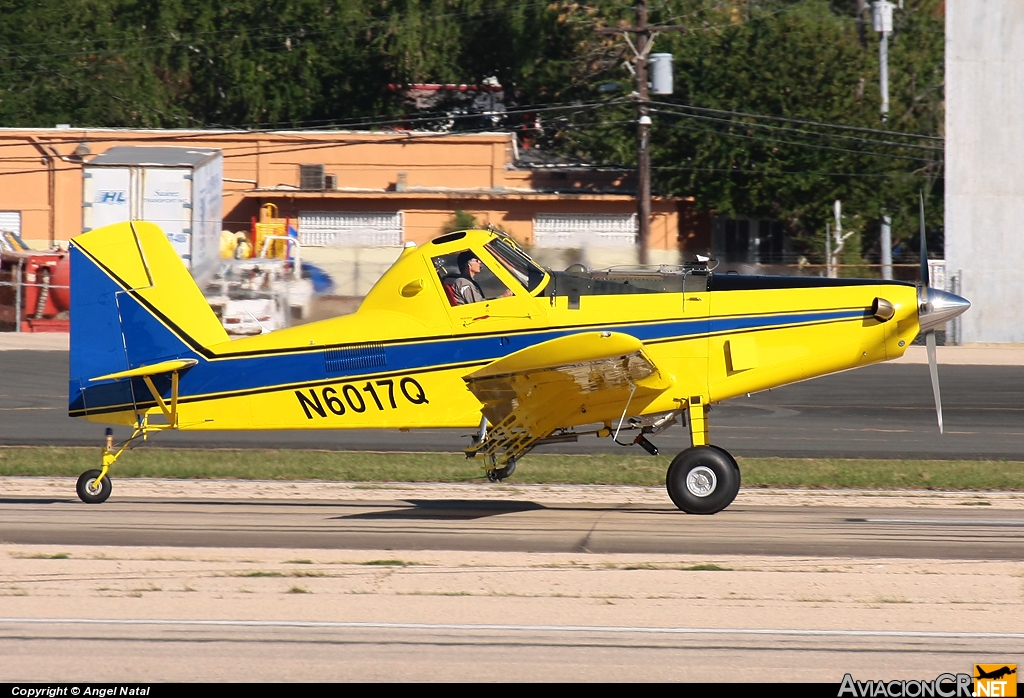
[359, 188]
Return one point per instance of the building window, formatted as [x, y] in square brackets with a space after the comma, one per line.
[584, 230]
[10, 222]
[737, 241]
[351, 228]
[771, 242]
[749, 241]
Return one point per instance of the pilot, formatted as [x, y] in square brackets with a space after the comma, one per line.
[464, 287]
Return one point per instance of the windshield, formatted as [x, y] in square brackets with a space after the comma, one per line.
[519, 265]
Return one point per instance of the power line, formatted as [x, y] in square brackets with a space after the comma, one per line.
[780, 173]
[785, 130]
[570, 109]
[302, 135]
[803, 122]
[796, 143]
[398, 138]
[380, 120]
[769, 140]
[250, 150]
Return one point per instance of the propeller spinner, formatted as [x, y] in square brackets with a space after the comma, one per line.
[935, 308]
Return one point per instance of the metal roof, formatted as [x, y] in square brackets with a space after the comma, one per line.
[155, 156]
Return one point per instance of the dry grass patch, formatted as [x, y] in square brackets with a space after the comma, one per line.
[706, 567]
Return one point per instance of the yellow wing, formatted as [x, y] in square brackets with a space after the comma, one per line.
[583, 378]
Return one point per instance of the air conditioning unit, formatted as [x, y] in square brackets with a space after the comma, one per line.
[311, 177]
[330, 181]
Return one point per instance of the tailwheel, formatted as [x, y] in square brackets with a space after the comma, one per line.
[703, 480]
[94, 485]
[92, 489]
[499, 474]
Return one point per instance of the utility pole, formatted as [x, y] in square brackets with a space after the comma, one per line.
[643, 135]
[881, 21]
[885, 242]
[644, 42]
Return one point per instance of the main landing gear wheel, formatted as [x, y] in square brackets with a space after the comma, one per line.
[703, 480]
[499, 474]
[91, 492]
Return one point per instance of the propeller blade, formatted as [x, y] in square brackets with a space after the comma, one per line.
[924, 244]
[933, 369]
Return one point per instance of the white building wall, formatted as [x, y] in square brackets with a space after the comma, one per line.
[985, 164]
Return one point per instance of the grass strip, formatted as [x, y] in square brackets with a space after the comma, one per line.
[603, 469]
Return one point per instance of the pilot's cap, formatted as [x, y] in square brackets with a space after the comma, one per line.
[465, 258]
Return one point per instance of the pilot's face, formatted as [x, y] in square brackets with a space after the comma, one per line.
[474, 266]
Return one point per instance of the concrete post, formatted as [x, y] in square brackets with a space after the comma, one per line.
[885, 243]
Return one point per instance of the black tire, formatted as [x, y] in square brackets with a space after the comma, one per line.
[499, 474]
[703, 480]
[736, 465]
[87, 491]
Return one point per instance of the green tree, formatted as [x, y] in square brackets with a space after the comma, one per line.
[291, 63]
[75, 61]
[807, 61]
[460, 221]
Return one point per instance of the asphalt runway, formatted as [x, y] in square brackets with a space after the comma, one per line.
[205, 594]
[878, 411]
[141, 652]
[518, 525]
[198, 590]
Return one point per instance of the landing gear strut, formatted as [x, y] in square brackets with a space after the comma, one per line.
[94, 485]
[703, 479]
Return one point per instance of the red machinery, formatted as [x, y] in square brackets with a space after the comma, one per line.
[35, 291]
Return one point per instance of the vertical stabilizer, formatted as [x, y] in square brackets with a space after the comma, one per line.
[133, 303]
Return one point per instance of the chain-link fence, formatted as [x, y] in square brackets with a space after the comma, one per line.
[28, 304]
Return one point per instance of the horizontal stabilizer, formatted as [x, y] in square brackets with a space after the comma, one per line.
[151, 370]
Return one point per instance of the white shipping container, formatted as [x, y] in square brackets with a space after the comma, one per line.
[179, 189]
[105, 196]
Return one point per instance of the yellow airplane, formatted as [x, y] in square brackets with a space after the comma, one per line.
[468, 331]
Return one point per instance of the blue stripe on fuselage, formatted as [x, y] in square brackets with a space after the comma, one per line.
[234, 375]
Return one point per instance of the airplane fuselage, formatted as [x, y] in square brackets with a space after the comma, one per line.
[399, 361]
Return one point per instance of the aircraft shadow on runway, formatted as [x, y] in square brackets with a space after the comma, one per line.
[30, 500]
[468, 509]
[458, 509]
